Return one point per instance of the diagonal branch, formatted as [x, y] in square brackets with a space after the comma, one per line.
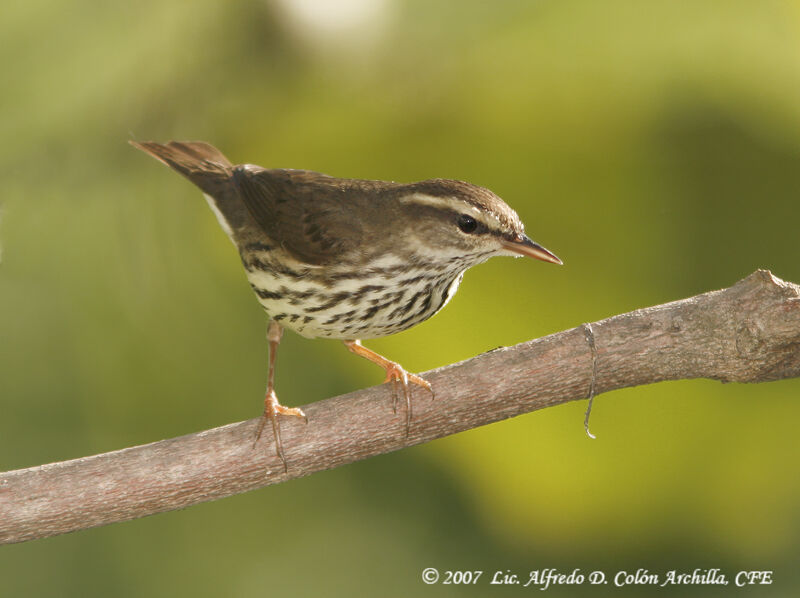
[749, 332]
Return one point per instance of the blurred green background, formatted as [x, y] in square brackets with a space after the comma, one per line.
[654, 146]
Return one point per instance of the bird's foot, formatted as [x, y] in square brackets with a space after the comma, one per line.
[394, 373]
[272, 408]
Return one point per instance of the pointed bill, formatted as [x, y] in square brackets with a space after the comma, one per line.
[525, 246]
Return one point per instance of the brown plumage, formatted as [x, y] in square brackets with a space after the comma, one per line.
[348, 258]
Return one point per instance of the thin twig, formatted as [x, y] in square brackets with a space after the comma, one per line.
[592, 386]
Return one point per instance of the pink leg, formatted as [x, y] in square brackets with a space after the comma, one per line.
[394, 372]
[271, 405]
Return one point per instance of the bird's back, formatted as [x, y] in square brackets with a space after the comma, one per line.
[308, 214]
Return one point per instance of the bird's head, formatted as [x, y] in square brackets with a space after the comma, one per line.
[455, 220]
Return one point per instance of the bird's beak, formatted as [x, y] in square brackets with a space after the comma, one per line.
[525, 246]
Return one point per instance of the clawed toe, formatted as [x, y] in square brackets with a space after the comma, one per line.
[394, 374]
[272, 408]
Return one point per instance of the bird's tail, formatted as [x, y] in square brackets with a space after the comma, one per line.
[198, 161]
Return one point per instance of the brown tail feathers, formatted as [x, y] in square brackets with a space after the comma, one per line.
[198, 161]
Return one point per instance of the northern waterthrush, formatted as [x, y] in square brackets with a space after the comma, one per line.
[348, 259]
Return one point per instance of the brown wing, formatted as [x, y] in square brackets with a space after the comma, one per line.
[311, 215]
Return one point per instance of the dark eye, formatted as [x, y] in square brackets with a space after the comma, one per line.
[467, 224]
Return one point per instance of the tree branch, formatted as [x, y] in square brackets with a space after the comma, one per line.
[749, 332]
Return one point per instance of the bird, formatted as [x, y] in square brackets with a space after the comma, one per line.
[347, 259]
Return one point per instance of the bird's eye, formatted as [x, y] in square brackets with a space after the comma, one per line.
[467, 224]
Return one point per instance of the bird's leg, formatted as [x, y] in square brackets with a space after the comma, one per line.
[394, 372]
[271, 405]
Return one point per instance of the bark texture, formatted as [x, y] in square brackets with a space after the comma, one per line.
[749, 332]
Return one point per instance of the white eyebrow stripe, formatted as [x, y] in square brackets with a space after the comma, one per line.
[489, 220]
[432, 200]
